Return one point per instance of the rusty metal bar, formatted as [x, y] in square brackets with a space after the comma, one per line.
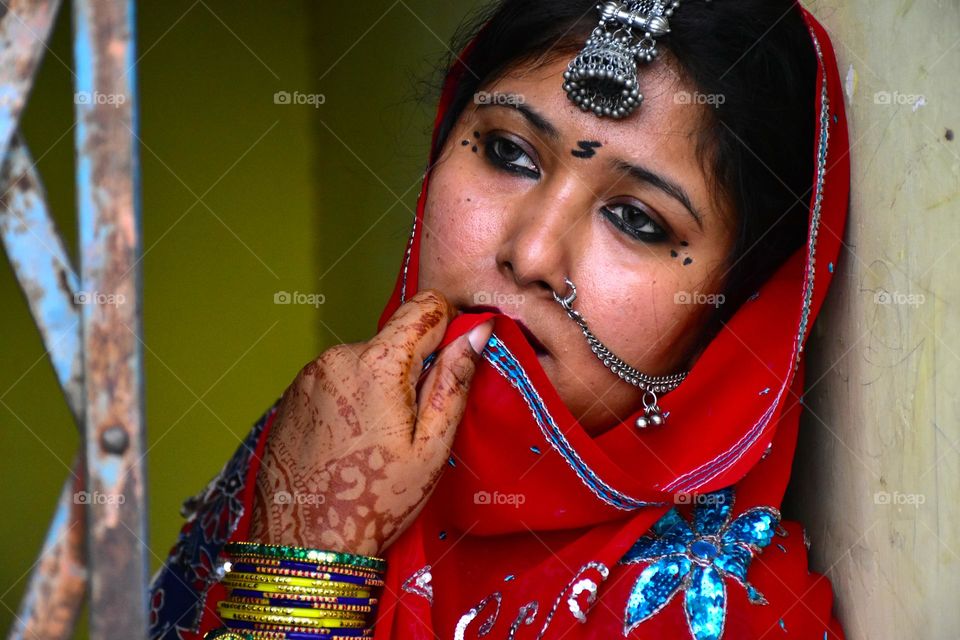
[108, 199]
[51, 603]
[89, 325]
[42, 266]
[54, 593]
[24, 29]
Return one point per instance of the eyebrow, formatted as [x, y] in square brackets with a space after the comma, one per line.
[515, 102]
[636, 172]
[672, 189]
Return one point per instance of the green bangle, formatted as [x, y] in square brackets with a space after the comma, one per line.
[289, 552]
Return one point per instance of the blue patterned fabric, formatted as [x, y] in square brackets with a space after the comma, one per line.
[696, 559]
[179, 588]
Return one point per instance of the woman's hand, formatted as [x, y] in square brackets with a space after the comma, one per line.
[355, 450]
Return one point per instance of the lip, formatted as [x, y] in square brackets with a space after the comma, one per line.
[528, 334]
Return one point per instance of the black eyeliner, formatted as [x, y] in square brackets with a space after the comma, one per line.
[648, 238]
[489, 142]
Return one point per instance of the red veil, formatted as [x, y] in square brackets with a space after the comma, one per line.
[537, 530]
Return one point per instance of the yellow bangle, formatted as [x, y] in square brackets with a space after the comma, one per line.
[275, 632]
[310, 623]
[333, 589]
[291, 611]
[316, 583]
[321, 606]
[222, 633]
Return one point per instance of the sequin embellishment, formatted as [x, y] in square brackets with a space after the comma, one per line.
[419, 584]
[696, 560]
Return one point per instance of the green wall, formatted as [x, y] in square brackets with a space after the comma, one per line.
[242, 198]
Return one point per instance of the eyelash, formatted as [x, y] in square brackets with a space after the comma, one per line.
[490, 148]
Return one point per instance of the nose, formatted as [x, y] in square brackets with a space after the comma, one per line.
[546, 235]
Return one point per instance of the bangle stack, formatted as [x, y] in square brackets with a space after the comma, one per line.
[298, 593]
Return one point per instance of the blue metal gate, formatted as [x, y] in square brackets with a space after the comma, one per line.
[89, 319]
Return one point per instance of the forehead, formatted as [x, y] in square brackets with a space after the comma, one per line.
[664, 127]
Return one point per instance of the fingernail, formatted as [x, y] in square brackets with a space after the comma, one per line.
[479, 336]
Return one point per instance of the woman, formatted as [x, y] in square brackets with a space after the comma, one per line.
[516, 484]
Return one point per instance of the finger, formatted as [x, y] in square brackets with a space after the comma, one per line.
[443, 397]
[414, 331]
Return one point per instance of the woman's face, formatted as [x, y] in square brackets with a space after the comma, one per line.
[529, 189]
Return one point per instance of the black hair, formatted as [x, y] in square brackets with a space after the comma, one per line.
[757, 143]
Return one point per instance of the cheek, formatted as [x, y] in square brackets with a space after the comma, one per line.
[652, 308]
[461, 225]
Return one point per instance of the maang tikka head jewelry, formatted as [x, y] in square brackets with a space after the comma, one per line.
[603, 77]
[652, 385]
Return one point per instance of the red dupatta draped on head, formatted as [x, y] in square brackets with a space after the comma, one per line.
[525, 532]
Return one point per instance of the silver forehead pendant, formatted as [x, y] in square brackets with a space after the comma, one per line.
[602, 78]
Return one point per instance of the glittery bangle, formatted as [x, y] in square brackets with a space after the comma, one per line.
[294, 612]
[315, 583]
[225, 633]
[295, 599]
[359, 609]
[309, 567]
[302, 565]
[305, 554]
[347, 576]
[332, 589]
[308, 623]
[296, 635]
[280, 631]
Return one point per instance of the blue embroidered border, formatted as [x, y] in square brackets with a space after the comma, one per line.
[501, 358]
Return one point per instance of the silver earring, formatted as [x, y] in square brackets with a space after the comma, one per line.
[652, 385]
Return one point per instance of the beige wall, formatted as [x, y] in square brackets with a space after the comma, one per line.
[878, 475]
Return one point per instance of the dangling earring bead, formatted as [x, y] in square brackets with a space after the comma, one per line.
[651, 412]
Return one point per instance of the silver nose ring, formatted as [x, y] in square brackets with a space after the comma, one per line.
[567, 301]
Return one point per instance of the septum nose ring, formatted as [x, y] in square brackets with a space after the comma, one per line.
[652, 385]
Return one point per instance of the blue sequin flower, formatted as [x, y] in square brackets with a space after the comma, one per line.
[695, 560]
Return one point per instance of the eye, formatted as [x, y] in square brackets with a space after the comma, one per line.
[635, 222]
[509, 156]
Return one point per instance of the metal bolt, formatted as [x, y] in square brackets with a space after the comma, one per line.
[114, 440]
